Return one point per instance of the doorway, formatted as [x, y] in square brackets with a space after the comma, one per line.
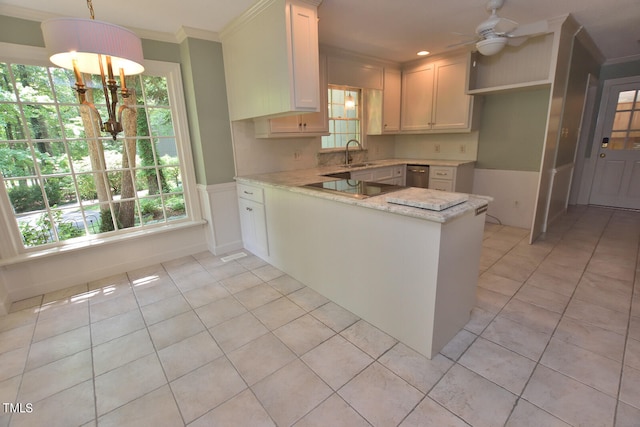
[616, 147]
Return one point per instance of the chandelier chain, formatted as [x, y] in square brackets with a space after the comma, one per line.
[90, 6]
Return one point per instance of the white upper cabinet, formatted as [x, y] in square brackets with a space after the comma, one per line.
[434, 98]
[383, 106]
[271, 59]
[391, 101]
[417, 98]
[300, 125]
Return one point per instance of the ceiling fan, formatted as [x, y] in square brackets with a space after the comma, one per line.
[493, 34]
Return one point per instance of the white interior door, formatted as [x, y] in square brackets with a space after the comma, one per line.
[616, 180]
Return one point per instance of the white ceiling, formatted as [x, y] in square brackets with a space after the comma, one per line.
[388, 29]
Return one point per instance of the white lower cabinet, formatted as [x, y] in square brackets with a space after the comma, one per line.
[457, 179]
[387, 175]
[253, 220]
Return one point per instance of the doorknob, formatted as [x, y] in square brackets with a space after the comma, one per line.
[603, 155]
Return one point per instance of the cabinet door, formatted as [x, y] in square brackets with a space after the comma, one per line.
[318, 122]
[288, 124]
[304, 52]
[451, 108]
[383, 174]
[363, 175]
[391, 101]
[254, 227]
[417, 98]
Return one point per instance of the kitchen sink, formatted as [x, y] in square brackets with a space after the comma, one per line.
[354, 188]
[341, 175]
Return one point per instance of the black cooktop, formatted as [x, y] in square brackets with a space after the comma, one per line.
[355, 188]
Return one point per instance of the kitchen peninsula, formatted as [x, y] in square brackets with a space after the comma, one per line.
[410, 271]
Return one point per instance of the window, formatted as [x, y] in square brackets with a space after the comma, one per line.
[625, 133]
[344, 119]
[67, 180]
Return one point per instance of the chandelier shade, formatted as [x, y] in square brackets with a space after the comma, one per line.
[83, 41]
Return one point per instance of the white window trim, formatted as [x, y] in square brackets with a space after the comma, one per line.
[12, 249]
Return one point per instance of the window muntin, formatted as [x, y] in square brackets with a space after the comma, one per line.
[66, 180]
[625, 134]
[344, 123]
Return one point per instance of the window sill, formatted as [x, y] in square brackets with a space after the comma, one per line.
[97, 241]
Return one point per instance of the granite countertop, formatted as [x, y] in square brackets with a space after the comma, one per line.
[295, 180]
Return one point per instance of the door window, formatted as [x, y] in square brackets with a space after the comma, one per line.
[625, 134]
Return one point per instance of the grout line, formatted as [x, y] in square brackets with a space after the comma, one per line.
[626, 337]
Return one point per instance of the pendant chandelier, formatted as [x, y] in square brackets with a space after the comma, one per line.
[95, 47]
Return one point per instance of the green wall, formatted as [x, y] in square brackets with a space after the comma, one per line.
[161, 51]
[616, 71]
[20, 31]
[206, 97]
[512, 130]
[205, 94]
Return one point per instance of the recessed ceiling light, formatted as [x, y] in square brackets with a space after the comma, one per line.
[423, 53]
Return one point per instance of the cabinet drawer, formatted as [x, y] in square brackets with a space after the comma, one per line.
[442, 185]
[441, 172]
[250, 192]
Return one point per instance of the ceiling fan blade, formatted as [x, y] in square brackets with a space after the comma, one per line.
[505, 26]
[530, 30]
[516, 41]
[464, 43]
[465, 35]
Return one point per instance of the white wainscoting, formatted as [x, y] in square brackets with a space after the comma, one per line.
[219, 204]
[4, 297]
[514, 194]
[29, 276]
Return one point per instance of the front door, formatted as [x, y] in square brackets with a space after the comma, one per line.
[617, 176]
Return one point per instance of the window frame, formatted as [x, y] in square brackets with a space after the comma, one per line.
[361, 119]
[9, 231]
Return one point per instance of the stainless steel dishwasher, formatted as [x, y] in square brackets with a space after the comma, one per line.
[418, 176]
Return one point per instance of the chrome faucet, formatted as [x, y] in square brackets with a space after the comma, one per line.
[347, 159]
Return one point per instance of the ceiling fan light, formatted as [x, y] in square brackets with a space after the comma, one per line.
[491, 46]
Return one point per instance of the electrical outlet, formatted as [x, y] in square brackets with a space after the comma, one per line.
[436, 148]
[463, 148]
[297, 155]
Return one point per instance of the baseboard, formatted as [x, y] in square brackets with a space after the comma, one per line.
[5, 305]
[226, 248]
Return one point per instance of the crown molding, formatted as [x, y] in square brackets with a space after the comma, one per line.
[178, 37]
[25, 13]
[196, 33]
[622, 60]
[255, 10]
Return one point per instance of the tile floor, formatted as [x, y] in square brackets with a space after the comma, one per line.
[554, 341]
